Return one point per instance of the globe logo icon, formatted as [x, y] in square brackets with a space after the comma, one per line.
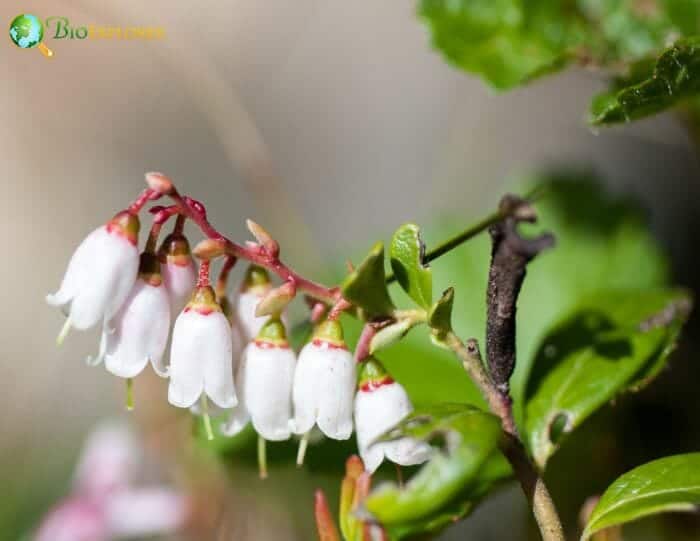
[26, 31]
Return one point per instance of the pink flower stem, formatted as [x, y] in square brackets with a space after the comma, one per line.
[203, 279]
[222, 281]
[362, 348]
[147, 195]
[195, 211]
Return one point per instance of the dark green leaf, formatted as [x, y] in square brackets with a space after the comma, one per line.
[406, 254]
[464, 437]
[674, 78]
[611, 342]
[667, 484]
[366, 285]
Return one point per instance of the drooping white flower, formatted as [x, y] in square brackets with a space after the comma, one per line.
[179, 270]
[200, 356]
[324, 384]
[264, 385]
[138, 333]
[380, 404]
[255, 286]
[100, 274]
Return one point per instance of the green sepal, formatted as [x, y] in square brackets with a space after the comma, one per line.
[365, 287]
[407, 252]
[330, 331]
[255, 277]
[273, 331]
[371, 370]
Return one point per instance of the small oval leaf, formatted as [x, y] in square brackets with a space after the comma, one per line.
[366, 285]
[407, 251]
[668, 484]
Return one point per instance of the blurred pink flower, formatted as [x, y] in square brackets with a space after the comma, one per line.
[104, 504]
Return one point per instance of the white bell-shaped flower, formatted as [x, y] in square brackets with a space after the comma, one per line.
[100, 274]
[324, 384]
[264, 385]
[380, 404]
[138, 333]
[200, 356]
[178, 269]
[256, 284]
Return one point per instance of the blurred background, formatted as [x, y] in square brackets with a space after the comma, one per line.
[331, 123]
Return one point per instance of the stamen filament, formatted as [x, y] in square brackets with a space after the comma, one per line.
[205, 416]
[129, 394]
[262, 457]
[303, 444]
[64, 331]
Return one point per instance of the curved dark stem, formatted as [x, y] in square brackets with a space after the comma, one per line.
[509, 257]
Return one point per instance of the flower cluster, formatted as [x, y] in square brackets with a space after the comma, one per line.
[233, 353]
[106, 503]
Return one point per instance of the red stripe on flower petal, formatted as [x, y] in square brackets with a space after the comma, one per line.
[264, 344]
[371, 385]
[202, 310]
[319, 342]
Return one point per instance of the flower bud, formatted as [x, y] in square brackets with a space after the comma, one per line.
[264, 384]
[276, 300]
[200, 355]
[100, 273]
[324, 383]
[256, 284]
[380, 404]
[159, 183]
[179, 270]
[210, 248]
[271, 246]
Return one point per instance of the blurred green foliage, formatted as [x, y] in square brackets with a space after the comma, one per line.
[511, 42]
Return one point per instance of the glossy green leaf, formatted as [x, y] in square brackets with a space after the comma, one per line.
[673, 79]
[407, 251]
[366, 285]
[667, 484]
[608, 344]
[464, 438]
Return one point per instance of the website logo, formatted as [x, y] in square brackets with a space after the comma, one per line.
[27, 32]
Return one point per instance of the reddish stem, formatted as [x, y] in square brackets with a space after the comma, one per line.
[179, 224]
[221, 283]
[145, 196]
[152, 241]
[338, 308]
[195, 211]
[203, 279]
[362, 348]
